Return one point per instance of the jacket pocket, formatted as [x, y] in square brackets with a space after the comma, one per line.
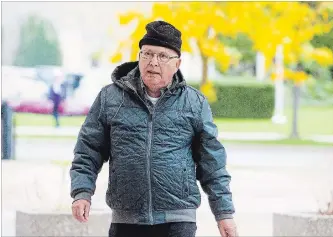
[112, 194]
[185, 174]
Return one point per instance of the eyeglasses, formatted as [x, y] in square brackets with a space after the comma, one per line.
[161, 57]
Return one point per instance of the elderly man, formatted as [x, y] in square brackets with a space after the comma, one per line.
[158, 136]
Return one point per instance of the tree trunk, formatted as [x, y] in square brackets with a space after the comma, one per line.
[204, 77]
[296, 92]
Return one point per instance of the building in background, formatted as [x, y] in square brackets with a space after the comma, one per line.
[82, 27]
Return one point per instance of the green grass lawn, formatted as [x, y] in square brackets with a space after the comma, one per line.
[25, 119]
[312, 120]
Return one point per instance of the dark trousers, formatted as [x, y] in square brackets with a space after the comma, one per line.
[173, 229]
[56, 113]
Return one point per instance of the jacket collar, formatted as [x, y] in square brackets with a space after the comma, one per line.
[127, 76]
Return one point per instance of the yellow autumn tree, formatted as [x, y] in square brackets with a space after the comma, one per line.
[200, 24]
[268, 24]
[292, 25]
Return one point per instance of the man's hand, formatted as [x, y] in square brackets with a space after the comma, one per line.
[227, 228]
[80, 210]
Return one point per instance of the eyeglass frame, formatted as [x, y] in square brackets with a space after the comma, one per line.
[157, 55]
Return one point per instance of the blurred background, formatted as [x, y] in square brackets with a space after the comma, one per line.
[265, 67]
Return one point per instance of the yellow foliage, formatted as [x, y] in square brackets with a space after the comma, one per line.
[116, 57]
[323, 56]
[139, 31]
[276, 21]
[224, 61]
[186, 47]
[297, 76]
[126, 18]
[209, 91]
[134, 52]
[290, 58]
[196, 20]
[267, 24]
[306, 52]
[160, 9]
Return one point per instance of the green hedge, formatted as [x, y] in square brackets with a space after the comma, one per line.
[242, 99]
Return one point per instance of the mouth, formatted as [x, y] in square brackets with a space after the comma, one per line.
[153, 72]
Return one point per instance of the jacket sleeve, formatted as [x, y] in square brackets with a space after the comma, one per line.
[210, 157]
[91, 151]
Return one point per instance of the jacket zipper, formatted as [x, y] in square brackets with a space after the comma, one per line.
[150, 136]
[150, 131]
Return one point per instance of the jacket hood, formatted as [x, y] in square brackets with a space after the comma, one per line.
[127, 76]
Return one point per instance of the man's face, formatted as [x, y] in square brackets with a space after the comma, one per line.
[156, 66]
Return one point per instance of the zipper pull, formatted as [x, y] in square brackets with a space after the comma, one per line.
[151, 111]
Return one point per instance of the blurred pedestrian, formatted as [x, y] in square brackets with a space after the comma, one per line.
[158, 136]
[57, 94]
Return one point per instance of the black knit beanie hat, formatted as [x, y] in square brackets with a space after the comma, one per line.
[161, 33]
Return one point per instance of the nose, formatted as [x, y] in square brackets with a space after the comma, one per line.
[154, 61]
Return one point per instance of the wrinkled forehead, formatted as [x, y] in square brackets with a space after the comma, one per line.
[158, 49]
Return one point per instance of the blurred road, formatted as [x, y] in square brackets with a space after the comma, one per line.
[238, 154]
[265, 179]
[251, 136]
[73, 132]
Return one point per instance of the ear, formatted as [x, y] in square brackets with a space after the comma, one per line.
[179, 61]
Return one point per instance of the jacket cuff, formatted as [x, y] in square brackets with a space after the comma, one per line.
[83, 195]
[223, 216]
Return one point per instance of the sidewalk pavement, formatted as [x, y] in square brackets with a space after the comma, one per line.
[44, 187]
[248, 136]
